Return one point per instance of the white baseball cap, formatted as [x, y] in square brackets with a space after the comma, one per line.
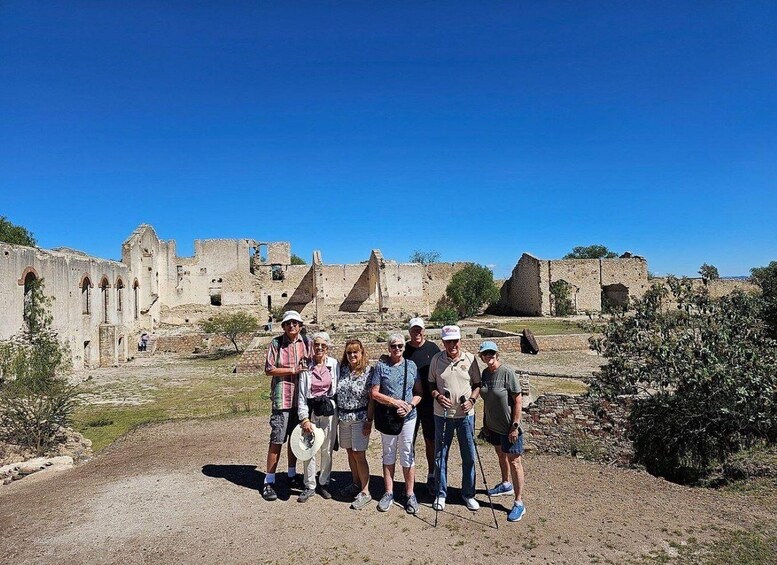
[416, 322]
[450, 332]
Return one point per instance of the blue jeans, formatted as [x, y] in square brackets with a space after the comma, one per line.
[463, 428]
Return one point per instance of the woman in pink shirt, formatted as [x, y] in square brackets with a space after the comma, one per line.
[316, 407]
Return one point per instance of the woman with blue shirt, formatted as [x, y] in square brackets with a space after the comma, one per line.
[387, 388]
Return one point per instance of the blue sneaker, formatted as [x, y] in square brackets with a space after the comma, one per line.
[502, 489]
[517, 512]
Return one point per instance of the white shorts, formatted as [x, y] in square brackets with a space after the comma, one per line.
[403, 443]
[352, 437]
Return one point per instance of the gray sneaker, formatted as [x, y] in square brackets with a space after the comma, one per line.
[385, 502]
[305, 495]
[362, 500]
[412, 505]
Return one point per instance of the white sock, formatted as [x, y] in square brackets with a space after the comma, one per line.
[269, 478]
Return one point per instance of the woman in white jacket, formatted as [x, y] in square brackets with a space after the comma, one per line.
[316, 407]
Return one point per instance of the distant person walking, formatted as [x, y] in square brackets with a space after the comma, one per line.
[502, 422]
[455, 378]
[287, 357]
[143, 342]
[420, 351]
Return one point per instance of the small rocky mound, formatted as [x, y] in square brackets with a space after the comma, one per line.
[16, 462]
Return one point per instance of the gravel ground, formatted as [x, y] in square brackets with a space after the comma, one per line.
[187, 492]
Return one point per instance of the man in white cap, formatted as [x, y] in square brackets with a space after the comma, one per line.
[287, 357]
[455, 378]
[420, 351]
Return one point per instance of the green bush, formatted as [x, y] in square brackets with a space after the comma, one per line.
[470, 289]
[704, 376]
[562, 304]
[766, 279]
[445, 315]
[36, 399]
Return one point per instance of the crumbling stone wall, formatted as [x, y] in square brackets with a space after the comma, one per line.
[580, 426]
[93, 304]
[527, 292]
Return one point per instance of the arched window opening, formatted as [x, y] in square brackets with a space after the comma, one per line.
[86, 304]
[119, 295]
[29, 296]
[104, 286]
[136, 298]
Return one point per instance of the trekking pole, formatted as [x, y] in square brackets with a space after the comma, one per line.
[438, 470]
[462, 400]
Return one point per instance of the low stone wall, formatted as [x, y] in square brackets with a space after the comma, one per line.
[579, 426]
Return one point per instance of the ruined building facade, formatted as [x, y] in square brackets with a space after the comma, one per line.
[591, 282]
[100, 306]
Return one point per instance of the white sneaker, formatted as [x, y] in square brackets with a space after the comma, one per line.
[439, 503]
[471, 504]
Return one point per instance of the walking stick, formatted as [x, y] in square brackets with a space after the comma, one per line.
[462, 400]
[439, 459]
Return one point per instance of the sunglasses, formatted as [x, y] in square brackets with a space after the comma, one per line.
[292, 322]
[320, 346]
[398, 346]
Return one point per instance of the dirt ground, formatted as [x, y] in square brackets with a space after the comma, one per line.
[188, 492]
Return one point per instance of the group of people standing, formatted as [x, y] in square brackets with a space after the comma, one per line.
[417, 385]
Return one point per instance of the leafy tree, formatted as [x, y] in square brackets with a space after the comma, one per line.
[766, 279]
[297, 260]
[425, 257]
[231, 325]
[471, 288]
[709, 272]
[17, 235]
[704, 376]
[36, 399]
[445, 312]
[591, 252]
[562, 304]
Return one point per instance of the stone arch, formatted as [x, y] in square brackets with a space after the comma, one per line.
[25, 276]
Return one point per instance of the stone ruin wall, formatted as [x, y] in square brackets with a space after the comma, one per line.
[102, 333]
[584, 276]
[522, 292]
[527, 291]
[717, 288]
[579, 426]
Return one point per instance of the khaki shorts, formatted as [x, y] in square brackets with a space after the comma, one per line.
[352, 437]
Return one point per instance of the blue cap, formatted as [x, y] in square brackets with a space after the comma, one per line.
[488, 346]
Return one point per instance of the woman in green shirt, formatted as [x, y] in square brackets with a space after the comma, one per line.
[501, 396]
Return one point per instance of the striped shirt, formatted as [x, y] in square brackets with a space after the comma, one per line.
[285, 354]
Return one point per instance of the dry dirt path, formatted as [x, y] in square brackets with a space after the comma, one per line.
[187, 492]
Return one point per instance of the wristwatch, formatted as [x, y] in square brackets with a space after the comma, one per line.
[516, 425]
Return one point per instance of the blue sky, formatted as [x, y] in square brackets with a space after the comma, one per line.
[478, 129]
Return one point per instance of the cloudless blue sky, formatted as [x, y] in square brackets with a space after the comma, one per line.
[478, 129]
